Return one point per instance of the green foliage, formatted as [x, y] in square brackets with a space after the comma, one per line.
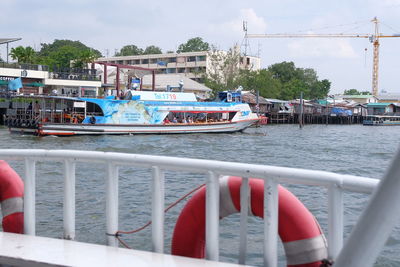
[295, 80]
[23, 54]
[356, 92]
[223, 70]
[84, 57]
[58, 44]
[193, 45]
[133, 50]
[129, 50]
[283, 80]
[61, 53]
[351, 92]
[152, 50]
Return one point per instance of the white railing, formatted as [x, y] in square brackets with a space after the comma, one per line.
[335, 184]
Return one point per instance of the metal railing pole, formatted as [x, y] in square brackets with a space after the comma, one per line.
[157, 211]
[112, 204]
[335, 221]
[375, 223]
[69, 200]
[29, 197]
[270, 223]
[244, 211]
[212, 217]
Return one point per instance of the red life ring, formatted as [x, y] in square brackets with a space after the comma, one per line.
[11, 197]
[303, 241]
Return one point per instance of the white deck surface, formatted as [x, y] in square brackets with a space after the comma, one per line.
[25, 250]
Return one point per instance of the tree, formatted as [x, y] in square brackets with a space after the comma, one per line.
[193, 45]
[223, 70]
[295, 80]
[129, 50]
[23, 54]
[62, 57]
[262, 81]
[84, 57]
[351, 92]
[46, 49]
[152, 50]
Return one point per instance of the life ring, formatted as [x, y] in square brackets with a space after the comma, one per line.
[304, 243]
[11, 197]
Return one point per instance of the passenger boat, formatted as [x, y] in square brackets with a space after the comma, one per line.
[140, 112]
[381, 120]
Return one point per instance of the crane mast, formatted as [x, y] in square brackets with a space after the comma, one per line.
[374, 39]
[375, 68]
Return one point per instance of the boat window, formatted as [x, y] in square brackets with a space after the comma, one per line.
[94, 109]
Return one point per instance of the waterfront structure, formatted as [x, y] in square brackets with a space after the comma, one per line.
[361, 99]
[383, 109]
[389, 98]
[38, 80]
[190, 64]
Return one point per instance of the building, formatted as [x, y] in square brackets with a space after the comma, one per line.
[361, 99]
[389, 98]
[190, 64]
[383, 109]
[38, 80]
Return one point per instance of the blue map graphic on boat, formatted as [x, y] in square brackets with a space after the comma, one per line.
[126, 112]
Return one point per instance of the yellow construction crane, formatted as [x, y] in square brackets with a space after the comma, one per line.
[373, 38]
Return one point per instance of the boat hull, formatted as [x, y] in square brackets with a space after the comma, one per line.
[121, 129]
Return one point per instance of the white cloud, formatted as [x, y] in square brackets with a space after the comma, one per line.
[321, 48]
[234, 27]
[391, 3]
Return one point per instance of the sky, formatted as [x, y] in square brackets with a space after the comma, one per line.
[109, 25]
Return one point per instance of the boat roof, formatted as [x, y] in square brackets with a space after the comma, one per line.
[49, 97]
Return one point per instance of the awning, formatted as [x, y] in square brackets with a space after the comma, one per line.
[34, 84]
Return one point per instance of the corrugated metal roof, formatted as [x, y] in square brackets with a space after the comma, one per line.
[356, 96]
[378, 104]
[252, 99]
[162, 80]
[389, 97]
[8, 40]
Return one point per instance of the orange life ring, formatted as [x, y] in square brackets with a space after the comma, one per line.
[11, 197]
[303, 241]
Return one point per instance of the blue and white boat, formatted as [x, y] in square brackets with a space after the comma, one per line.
[381, 120]
[140, 112]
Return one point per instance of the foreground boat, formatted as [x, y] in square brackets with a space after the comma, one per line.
[140, 112]
[360, 249]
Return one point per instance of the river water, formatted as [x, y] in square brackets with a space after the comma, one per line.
[346, 149]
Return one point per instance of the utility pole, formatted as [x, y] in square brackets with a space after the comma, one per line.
[326, 111]
[301, 111]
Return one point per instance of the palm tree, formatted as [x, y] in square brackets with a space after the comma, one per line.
[23, 54]
[17, 53]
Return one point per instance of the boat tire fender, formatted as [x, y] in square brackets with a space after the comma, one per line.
[11, 198]
[92, 120]
[303, 240]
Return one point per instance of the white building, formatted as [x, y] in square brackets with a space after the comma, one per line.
[190, 64]
[36, 79]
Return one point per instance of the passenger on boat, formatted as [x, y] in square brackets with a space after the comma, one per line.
[174, 120]
[166, 120]
[36, 108]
